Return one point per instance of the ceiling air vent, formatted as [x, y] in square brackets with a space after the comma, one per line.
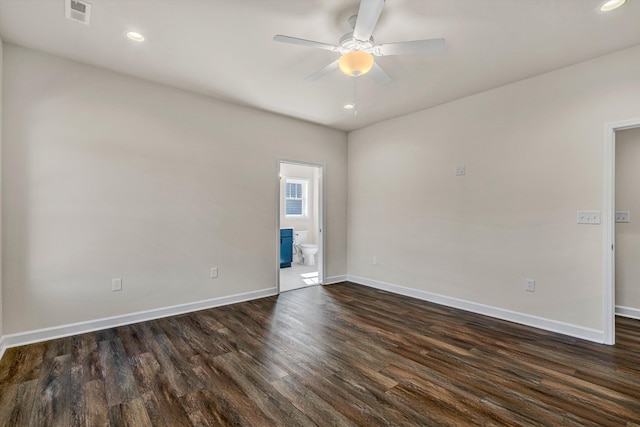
[77, 10]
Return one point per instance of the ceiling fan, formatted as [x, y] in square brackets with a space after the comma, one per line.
[357, 48]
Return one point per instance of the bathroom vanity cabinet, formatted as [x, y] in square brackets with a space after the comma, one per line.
[286, 247]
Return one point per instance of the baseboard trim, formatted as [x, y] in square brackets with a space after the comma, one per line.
[2, 347]
[46, 334]
[486, 310]
[633, 313]
[334, 279]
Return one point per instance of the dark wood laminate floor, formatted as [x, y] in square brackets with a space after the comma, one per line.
[340, 355]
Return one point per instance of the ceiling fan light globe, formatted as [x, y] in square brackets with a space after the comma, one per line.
[356, 63]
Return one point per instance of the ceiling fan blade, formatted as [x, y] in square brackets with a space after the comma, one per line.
[408, 48]
[321, 72]
[368, 16]
[304, 42]
[378, 75]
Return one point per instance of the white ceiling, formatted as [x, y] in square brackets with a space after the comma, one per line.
[224, 48]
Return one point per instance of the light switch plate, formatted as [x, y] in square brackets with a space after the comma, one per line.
[530, 285]
[588, 217]
[460, 170]
[623, 216]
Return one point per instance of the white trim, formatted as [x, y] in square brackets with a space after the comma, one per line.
[608, 292]
[277, 239]
[335, 279]
[2, 347]
[486, 310]
[322, 207]
[608, 221]
[45, 334]
[633, 313]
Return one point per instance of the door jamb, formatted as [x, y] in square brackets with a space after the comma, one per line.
[608, 217]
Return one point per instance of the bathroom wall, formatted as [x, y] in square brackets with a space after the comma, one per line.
[309, 223]
[109, 176]
[534, 156]
[628, 234]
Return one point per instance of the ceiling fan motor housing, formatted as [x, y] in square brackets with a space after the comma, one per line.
[348, 44]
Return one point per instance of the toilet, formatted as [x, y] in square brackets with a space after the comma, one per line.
[307, 250]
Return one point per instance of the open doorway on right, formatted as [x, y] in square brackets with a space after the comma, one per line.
[627, 234]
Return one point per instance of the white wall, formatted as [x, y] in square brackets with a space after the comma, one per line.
[309, 223]
[110, 176]
[1, 183]
[628, 234]
[534, 156]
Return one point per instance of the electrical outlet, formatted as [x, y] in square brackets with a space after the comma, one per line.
[588, 217]
[623, 216]
[214, 272]
[460, 170]
[374, 260]
[116, 285]
[530, 285]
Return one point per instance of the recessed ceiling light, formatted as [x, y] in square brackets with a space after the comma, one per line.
[612, 4]
[349, 106]
[136, 37]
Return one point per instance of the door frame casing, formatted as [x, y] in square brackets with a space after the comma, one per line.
[608, 219]
[321, 215]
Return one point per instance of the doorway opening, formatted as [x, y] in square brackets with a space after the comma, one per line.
[300, 225]
[609, 221]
